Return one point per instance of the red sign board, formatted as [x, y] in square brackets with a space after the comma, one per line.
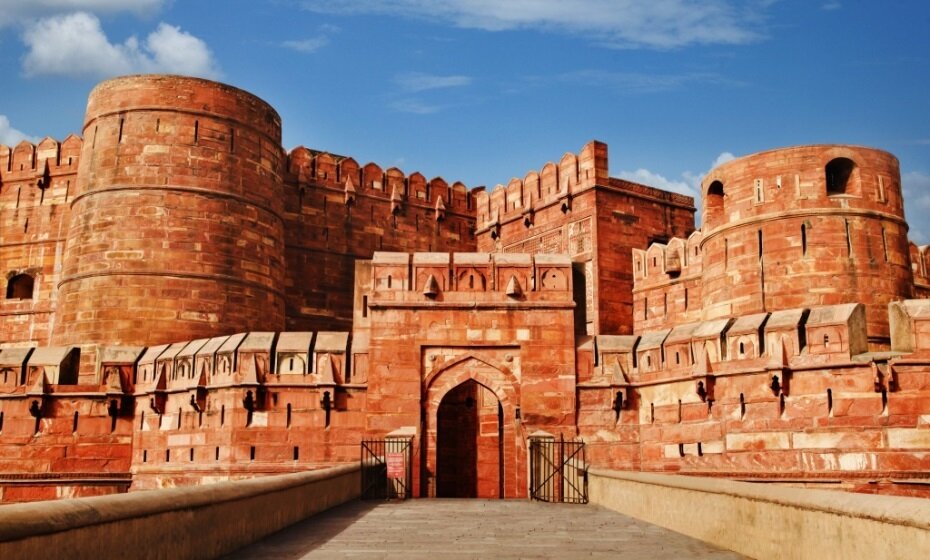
[395, 465]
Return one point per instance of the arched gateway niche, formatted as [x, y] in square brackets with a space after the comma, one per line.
[469, 462]
[471, 447]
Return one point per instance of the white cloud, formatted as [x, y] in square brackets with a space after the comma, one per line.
[19, 11]
[635, 83]
[418, 81]
[174, 51]
[721, 159]
[689, 184]
[830, 6]
[414, 106]
[307, 46]
[311, 45]
[75, 45]
[9, 136]
[618, 23]
[647, 177]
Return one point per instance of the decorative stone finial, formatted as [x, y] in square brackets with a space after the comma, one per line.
[350, 190]
[513, 287]
[431, 289]
[396, 201]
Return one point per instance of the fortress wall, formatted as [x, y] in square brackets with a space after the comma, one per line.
[177, 215]
[806, 226]
[765, 397]
[338, 212]
[36, 184]
[919, 265]
[667, 284]
[576, 208]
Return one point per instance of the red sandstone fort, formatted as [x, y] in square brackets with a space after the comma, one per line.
[187, 302]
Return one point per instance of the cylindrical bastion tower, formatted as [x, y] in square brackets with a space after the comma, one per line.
[803, 227]
[176, 227]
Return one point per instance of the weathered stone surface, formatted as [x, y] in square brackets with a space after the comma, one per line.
[757, 347]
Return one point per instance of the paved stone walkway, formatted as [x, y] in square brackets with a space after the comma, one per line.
[448, 529]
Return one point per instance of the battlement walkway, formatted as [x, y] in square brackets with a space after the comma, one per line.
[451, 529]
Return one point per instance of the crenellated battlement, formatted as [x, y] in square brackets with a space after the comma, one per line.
[32, 174]
[788, 395]
[27, 159]
[470, 279]
[667, 282]
[315, 169]
[664, 263]
[920, 265]
[553, 184]
[779, 340]
[805, 337]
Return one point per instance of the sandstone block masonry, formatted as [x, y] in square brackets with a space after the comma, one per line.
[185, 302]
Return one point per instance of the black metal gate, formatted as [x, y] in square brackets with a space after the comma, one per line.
[386, 473]
[558, 471]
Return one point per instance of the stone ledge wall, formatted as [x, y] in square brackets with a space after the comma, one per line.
[770, 522]
[198, 522]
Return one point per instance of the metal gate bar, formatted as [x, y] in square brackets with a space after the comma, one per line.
[386, 473]
[558, 471]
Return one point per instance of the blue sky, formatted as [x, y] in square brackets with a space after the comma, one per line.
[484, 90]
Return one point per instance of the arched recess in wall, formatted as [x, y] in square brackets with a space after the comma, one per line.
[839, 174]
[20, 287]
[713, 203]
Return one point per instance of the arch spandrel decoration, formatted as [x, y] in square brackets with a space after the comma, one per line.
[500, 379]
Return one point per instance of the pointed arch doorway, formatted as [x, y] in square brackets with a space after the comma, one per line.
[472, 445]
[469, 443]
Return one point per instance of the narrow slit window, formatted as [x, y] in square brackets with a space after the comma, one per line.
[885, 243]
[759, 235]
[849, 252]
[804, 240]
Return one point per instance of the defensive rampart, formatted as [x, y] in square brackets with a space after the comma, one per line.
[198, 522]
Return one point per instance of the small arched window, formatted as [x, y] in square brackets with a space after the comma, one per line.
[20, 287]
[838, 173]
[713, 202]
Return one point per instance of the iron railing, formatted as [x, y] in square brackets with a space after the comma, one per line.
[386, 473]
[558, 472]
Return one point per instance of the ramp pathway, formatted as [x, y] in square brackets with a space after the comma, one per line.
[448, 529]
